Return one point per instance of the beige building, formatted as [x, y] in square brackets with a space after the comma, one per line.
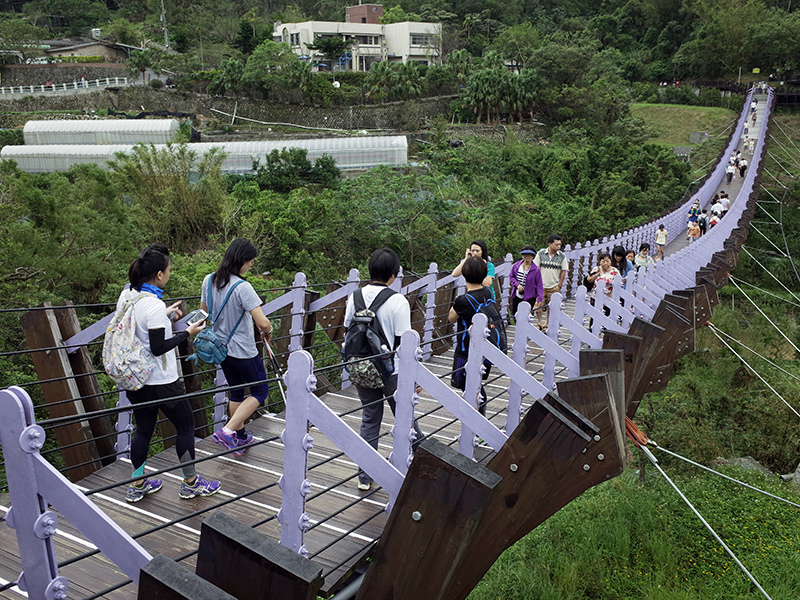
[372, 42]
[110, 52]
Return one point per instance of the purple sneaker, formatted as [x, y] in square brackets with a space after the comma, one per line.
[243, 443]
[225, 440]
[137, 492]
[200, 487]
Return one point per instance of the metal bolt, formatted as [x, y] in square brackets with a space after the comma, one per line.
[601, 457]
[586, 467]
[513, 468]
[416, 515]
[597, 438]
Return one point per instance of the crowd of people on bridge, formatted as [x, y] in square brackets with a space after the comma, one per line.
[237, 316]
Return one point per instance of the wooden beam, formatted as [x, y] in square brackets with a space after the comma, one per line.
[164, 579]
[78, 448]
[247, 564]
[546, 463]
[88, 387]
[427, 539]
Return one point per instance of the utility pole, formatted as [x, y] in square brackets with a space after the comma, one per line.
[164, 25]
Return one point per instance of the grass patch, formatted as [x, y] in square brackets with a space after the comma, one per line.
[620, 541]
[671, 124]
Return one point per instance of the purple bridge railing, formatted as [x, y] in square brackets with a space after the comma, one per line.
[34, 483]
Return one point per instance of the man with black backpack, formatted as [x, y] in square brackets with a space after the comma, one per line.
[375, 318]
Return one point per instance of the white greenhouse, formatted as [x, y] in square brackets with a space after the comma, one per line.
[349, 152]
[110, 131]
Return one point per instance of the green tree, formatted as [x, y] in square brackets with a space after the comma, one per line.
[76, 15]
[268, 66]
[177, 195]
[381, 81]
[123, 31]
[20, 35]
[331, 47]
[396, 14]
[517, 44]
[63, 234]
[289, 168]
[229, 79]
[245, 40]
[139, 61]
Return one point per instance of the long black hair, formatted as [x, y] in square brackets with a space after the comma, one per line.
[238, 253]
[484, 251]
[153, 259]
[618, 263]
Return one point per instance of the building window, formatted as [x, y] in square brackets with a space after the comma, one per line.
[367, 40]
[285, 35]
[295, 39]
[421, 39]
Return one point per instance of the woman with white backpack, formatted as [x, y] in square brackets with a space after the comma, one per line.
[152, 320]
[234, 308]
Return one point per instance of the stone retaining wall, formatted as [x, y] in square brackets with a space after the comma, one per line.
[401, 115]
[57, 73]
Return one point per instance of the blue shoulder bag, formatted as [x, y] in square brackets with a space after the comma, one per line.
[207, 345]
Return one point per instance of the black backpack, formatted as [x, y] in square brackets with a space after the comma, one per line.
[497, 329]
[366, 351]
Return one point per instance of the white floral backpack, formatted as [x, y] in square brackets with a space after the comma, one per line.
[125, 358]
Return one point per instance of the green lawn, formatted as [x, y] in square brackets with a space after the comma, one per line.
[671, 124]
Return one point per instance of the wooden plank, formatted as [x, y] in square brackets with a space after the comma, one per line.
[41, 331]
[442, 501]
[88, 387]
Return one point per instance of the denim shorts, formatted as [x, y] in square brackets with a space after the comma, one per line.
[243, 371]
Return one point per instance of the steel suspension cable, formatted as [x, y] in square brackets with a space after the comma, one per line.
[763, 314]
[792, 375]
[774, 391]
[654, 461]
[774, 245]
[770, 273]
[710, 470]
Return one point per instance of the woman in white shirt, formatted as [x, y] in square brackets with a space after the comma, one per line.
[148, 275]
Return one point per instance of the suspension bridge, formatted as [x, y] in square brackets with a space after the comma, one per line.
[289, 514]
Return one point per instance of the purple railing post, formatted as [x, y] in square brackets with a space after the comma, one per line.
[29, 516]
[297, 442]
[298, 293]
[220, 411]
[474, 372]
[430, 309]
[353, 279]
[406, 398]
[33, 485]
[575, 260]
[505, 291]
[518, 352]
[124, 427]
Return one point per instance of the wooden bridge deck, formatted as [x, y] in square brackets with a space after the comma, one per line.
[338, 544]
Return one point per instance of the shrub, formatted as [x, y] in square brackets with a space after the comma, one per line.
[156, 84]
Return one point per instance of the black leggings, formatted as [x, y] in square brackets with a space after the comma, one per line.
[179, 412]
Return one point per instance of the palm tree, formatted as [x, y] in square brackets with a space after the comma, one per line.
[381, 80]
[140, 60]
[408, 80]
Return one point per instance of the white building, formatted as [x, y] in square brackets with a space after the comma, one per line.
[372, 42]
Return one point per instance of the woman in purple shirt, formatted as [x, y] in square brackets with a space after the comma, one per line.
[526, 281]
